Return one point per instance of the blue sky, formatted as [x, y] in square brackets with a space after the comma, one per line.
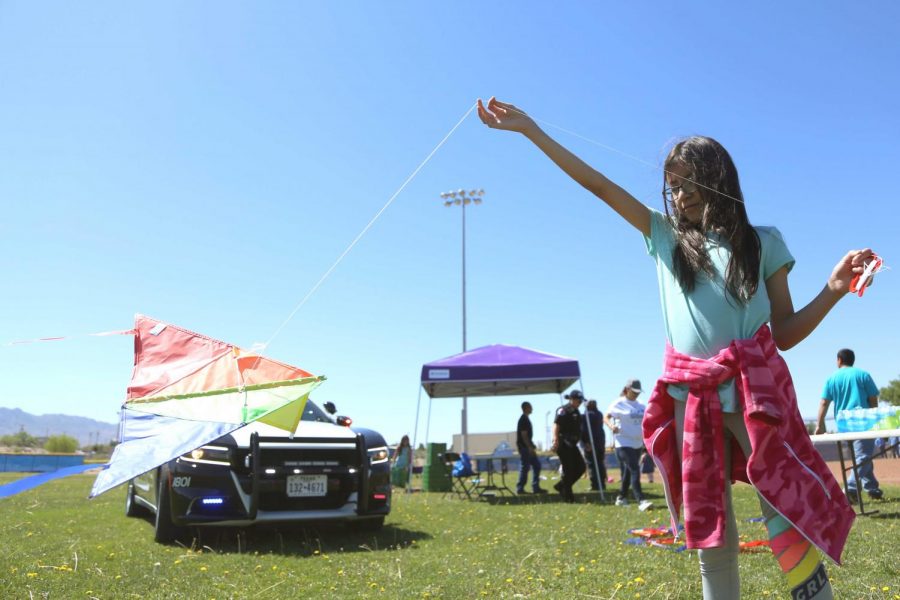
[206, 162]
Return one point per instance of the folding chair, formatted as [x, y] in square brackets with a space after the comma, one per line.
[464, 486]
[489, 487]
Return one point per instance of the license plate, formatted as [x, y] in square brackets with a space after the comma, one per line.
[305, 486]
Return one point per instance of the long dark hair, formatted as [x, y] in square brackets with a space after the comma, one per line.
[709, 165]
[404, 443]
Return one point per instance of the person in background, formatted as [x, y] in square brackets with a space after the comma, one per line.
[400, 463]
[527, 453]
[880, 445]
[593, 441]
[624, 417]
[647, 466]
[566, 435]
[851, 388]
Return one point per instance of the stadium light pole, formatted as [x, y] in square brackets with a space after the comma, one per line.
[462, 198]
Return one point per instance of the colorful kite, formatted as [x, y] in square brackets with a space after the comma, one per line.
[664, 537]
[188, 390]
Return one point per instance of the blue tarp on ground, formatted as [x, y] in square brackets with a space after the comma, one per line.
[38, 463]
[27, 483]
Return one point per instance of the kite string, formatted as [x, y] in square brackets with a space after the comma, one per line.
[366, 229]
[625, 154]
[66, 337]
[422, 165]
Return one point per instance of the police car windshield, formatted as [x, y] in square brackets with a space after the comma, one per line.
[313, 413]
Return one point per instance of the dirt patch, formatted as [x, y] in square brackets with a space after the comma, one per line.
[887, 470]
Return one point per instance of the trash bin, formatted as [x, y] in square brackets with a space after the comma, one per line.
[436, 474]
[434, 453]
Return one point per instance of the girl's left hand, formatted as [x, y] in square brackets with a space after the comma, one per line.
[501, 115]
[852, 264]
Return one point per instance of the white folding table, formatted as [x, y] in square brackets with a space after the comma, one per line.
[849, 437]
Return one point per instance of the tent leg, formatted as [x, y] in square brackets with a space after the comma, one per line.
[428, 421]
[412, 451]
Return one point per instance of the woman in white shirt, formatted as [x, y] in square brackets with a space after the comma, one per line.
[624, 418]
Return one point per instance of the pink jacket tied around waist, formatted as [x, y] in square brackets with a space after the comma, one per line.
[783, 466]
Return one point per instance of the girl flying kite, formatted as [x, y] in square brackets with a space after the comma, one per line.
[725, 407]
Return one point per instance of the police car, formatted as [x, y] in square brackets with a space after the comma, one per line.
[257, 474]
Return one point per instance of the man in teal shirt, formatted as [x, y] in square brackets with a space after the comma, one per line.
[851, 388]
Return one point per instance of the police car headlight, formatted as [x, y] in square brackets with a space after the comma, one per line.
[217, 455]
[378, 455]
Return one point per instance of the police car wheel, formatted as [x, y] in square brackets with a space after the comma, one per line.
[132, 508]
[164, 530]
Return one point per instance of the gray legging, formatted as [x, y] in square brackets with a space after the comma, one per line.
[719, 566]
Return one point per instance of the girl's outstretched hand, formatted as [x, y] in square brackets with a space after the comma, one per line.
[852, 264]
[500, 115]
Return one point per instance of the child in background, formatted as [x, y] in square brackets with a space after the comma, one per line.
[726, 394]
[400, 463]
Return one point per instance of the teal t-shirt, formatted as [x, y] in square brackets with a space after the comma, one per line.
[705, 321]
[849, 388]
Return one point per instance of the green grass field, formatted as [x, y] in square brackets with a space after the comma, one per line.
[58, 544]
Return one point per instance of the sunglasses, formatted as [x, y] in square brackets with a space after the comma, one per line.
[686, 187]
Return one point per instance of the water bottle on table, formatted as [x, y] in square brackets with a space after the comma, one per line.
[857, 419]
[843, 421]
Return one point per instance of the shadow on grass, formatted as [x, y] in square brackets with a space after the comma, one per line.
[555, 498]
[888, 508]
[300, 540]
[885, 515]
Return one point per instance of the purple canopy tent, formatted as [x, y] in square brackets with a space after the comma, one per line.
[499, 370]
[496, 370]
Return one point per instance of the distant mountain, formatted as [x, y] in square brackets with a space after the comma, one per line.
[86, 431]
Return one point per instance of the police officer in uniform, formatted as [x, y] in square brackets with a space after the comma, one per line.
[566, 435]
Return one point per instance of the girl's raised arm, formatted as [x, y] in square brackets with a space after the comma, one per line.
[790, 327]
[500, 115]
